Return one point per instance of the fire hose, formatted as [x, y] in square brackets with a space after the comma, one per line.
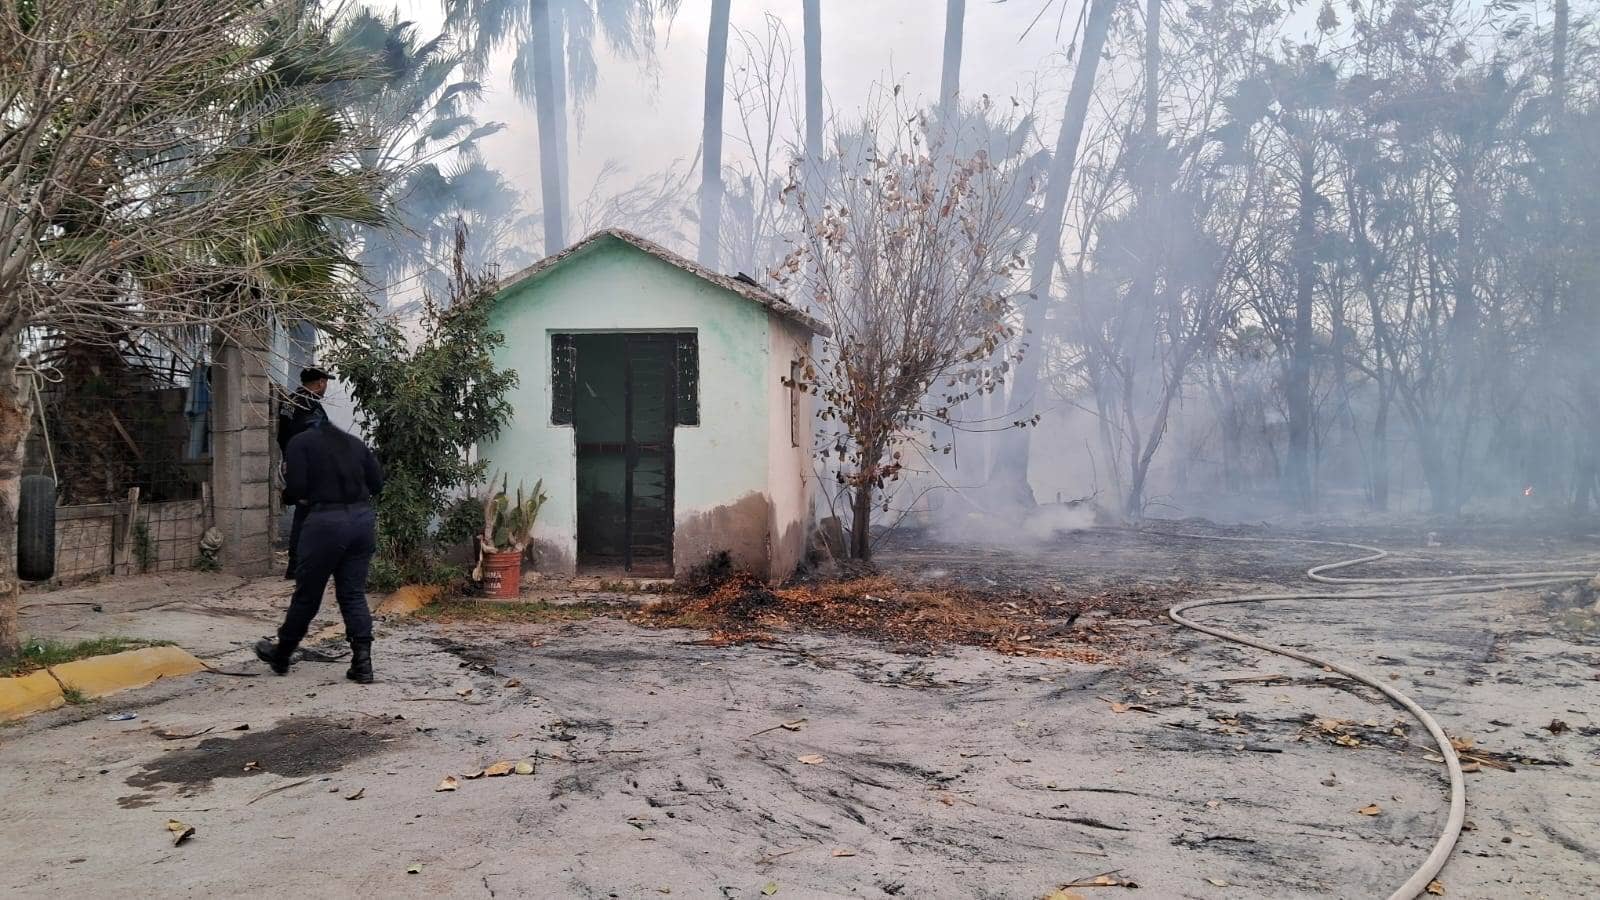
[1422, 586]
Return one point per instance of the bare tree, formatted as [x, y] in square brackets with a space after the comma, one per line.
[913, 263]
[766, 112]
[157, 169]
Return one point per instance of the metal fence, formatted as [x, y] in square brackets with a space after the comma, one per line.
[125, 414]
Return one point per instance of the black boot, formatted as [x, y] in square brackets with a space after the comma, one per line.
[275, 654]
[360, 662]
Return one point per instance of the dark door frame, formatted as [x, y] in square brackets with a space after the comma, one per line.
[631, 450]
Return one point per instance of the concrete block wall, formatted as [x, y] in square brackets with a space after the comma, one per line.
[241, 471]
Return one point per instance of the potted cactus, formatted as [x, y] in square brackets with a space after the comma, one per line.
[508, 521]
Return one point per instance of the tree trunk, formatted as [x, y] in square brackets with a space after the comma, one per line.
[1152, 65]
[955, 18]
[1012, 463]
[861, 523]
[813, 75]
[1300, 348]
[558, 82]
[1558, 58]
[544, 89]
[1436, 472]
[15, 420]
[1380, 452]
[711, 155]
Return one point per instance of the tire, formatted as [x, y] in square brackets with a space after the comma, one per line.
[36, 529]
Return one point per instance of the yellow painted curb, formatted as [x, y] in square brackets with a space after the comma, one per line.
[408, 599]
[98, 676]
[28, 694]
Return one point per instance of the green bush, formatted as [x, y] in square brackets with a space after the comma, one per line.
[424, 404]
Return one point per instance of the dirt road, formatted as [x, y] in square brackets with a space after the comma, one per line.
[1188, 768]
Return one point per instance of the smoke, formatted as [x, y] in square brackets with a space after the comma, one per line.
[1346, 267]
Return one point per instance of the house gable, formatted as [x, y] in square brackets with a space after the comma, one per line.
[736, 287]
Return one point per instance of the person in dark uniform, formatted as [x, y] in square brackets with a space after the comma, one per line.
[302, 410]
[333, 477]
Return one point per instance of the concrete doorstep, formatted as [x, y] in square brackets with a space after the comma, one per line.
[95, 677]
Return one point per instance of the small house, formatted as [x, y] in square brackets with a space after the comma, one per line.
[655, 403]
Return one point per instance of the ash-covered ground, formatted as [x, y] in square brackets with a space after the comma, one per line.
[820, 760]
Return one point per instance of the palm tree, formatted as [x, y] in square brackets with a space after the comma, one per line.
[416, 112]
[955, 17]
[1013, 461]
[711, 151]
[553, 189]
[564, 32]
[813, 66]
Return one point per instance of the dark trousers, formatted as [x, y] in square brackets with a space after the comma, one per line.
[295, 528]
[337, 543]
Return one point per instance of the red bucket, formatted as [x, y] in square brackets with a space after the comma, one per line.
[502, 574]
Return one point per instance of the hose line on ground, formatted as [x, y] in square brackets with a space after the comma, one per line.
[1427, 586]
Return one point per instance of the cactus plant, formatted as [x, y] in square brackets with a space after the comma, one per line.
[508, 520]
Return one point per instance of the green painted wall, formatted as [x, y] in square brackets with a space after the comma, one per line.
[613, 286]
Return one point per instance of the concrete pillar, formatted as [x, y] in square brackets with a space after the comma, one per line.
[241, 458]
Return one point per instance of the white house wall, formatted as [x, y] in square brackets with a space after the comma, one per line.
[789, 456]
[721, 498]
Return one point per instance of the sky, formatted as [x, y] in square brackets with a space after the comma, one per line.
[647, 121]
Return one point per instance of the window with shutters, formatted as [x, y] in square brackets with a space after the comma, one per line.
[688, 379]
[563, 377]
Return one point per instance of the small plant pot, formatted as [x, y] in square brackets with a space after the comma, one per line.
[502, 574]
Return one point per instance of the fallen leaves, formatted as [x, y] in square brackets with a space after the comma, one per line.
[180, 831]
[812, 759]
[497, 769]
[769, 888]
[1371, 809]
[1557, 726]
[744, 610]
[1436, 888]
